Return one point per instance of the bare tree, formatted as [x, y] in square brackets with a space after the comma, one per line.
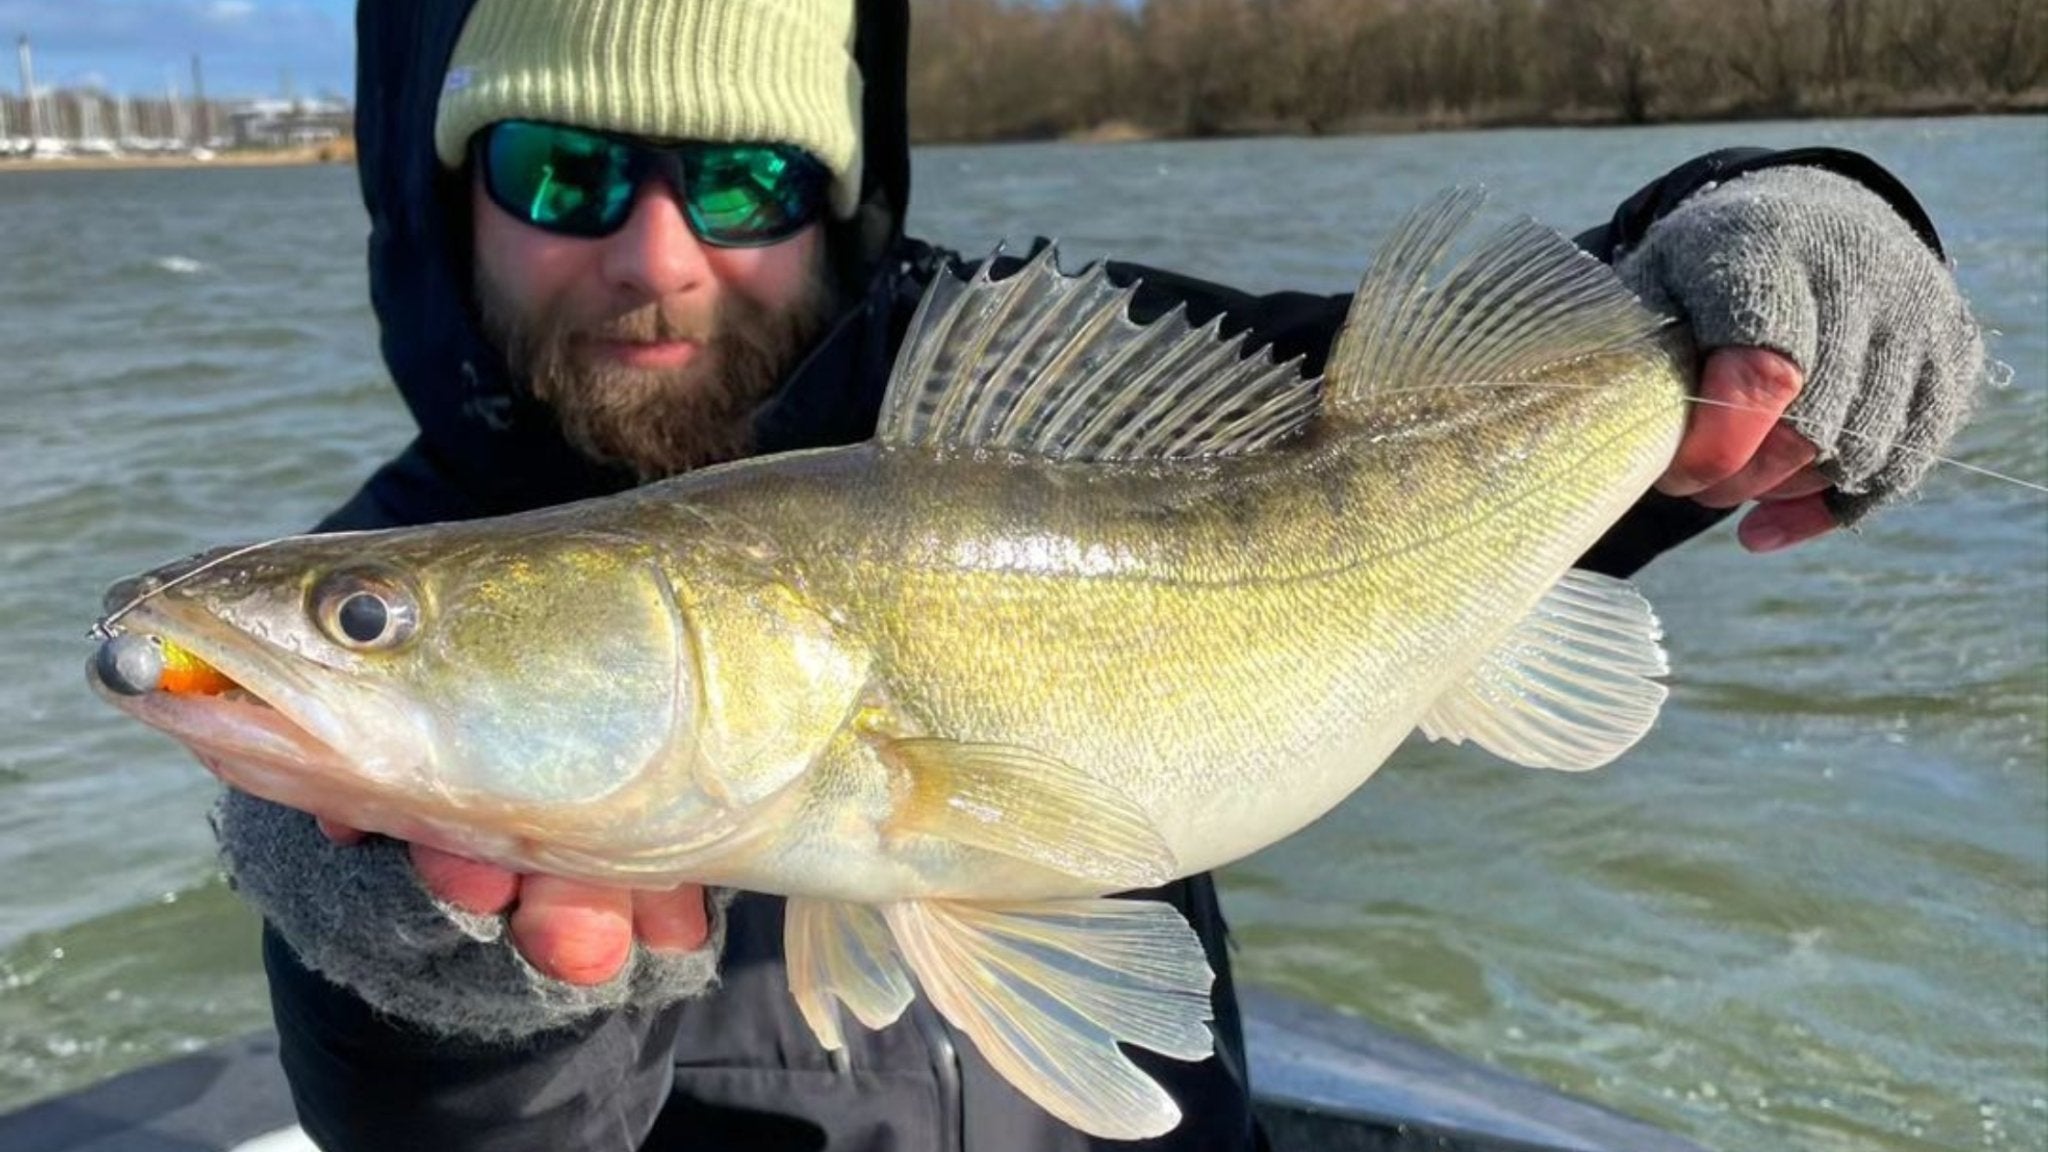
[1007, 69]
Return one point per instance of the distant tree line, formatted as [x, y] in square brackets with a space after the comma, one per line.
[1021, 69]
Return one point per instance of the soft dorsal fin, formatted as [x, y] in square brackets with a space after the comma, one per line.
[1044, 364]
[1522, 301]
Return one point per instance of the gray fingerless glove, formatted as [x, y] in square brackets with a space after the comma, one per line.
[359, 916]
[1816, 266]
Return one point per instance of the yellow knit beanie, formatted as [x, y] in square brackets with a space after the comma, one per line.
[772, 71]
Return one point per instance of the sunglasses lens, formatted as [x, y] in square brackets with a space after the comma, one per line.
[559, 179]
[745, 195]
[578, 183]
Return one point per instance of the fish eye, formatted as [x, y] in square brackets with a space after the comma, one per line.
[363, 617]
[365, 611]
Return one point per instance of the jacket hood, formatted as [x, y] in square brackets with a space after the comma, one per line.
[479, 430]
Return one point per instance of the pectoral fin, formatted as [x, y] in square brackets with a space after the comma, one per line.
[843, 951]
[1570, 687]
[1024, 804]
[1048, 990]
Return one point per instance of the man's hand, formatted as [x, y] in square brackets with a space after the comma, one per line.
[1738, 448]
[1815, 301]
[572, 932]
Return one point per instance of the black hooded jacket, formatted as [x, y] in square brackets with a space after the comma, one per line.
[739, 1069]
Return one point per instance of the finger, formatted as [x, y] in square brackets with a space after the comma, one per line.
[470, 885]
[1805, 482]
[1783, 523]
[671, 921]
[1783, 453]
[578, 933]
[338, 832]
[1745, 391]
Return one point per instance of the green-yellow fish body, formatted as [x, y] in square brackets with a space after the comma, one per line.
[1103, 604]
[1232, 645]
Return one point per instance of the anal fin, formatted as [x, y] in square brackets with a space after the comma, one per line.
[1570, 687]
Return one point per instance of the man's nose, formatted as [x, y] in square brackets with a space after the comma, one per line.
[655, 253]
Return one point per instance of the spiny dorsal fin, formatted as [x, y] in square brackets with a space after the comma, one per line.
[1524, 300]
[1044, 364]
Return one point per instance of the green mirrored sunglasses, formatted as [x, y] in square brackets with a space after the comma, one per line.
[579, 182]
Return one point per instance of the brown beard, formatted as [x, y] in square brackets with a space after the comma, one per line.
[660, 423]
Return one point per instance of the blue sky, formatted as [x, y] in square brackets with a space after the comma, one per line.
[247, 46]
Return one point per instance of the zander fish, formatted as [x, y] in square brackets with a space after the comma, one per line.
[1102, 604]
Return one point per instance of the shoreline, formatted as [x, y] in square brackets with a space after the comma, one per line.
[2034, 103]
[338, 153]
[1131, 132]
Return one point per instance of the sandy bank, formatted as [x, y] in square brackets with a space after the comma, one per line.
[336, 153]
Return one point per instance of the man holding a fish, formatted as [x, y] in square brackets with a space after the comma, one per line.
[618, 240]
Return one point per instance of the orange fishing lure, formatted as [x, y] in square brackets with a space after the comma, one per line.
[185, 674]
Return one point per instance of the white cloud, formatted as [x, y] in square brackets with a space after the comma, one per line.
[229, 11]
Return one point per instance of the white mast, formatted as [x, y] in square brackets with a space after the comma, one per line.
[202, 119]
[28, 92]
[177, 132]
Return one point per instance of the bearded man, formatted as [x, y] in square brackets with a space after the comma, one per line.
[614, 240]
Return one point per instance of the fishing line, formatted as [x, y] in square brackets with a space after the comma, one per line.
[104, 630]
[1809, 423]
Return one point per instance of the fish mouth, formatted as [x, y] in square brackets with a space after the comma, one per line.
[277, 725]
[253, 731]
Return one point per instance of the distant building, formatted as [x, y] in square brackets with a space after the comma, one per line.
[90, 120]
[287, 123]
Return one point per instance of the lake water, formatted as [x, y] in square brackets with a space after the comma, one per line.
[1810, 911]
